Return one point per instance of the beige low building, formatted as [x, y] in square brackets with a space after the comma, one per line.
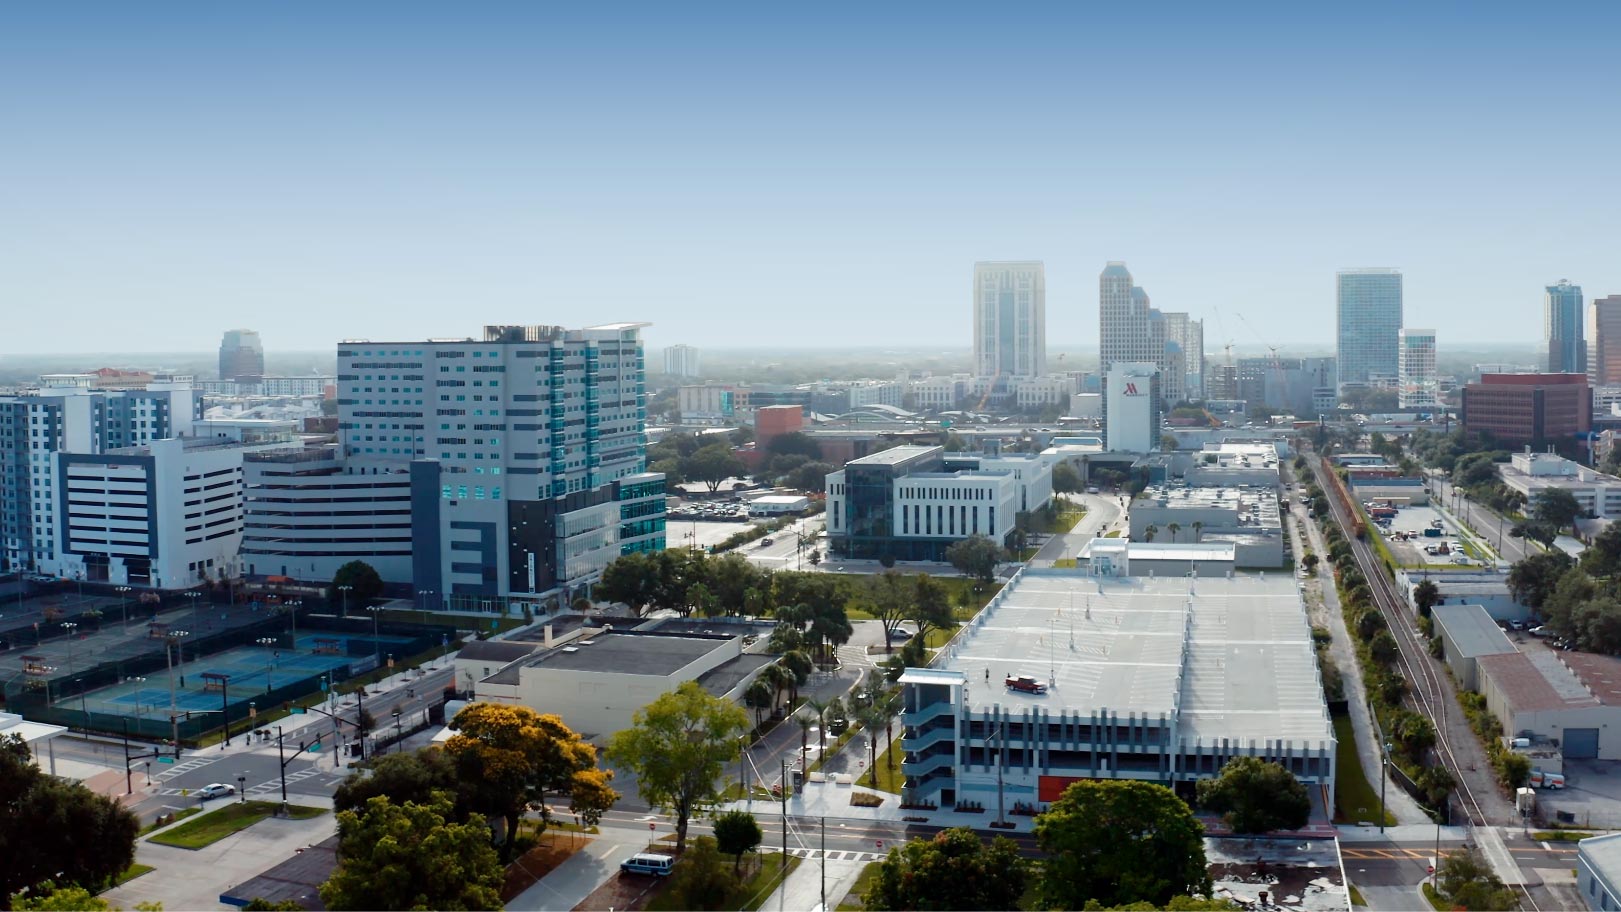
[597, 681]
[1536, 695]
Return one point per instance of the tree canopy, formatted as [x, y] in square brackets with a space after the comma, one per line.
[737, 833]
[1119, 841]
[677, 747]
[712, 464]
[1256, 796]
[976, 557]
[53, 830]
[953, 870]
[413, 856]
[400, 778]
[365, 585]
[510, 758]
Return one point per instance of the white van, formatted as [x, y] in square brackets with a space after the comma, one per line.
[647, 863]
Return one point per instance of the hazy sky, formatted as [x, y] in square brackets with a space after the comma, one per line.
[812, 175]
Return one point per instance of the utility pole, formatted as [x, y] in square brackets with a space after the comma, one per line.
[824, 863]
[784, 790]
[129, 785]
[1001, 759]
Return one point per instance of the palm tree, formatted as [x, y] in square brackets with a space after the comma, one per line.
[871, 717]
[1150, 532]
[800, 666]
[778, 679]
[806, 723]
[1174, 528]
[819, 707]
[1198, 527]
[758, 696]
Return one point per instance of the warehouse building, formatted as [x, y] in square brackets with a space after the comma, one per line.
[1468, 632]
[596, 682]
[1536, 695]
[1247, 517]
[1158, 679]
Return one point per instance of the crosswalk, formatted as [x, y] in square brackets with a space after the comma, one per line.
[834, 855]
[195, 763]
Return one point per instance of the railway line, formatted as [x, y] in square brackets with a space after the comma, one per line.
[1430, 692]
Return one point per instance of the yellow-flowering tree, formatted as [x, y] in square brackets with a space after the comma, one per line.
[509, 758]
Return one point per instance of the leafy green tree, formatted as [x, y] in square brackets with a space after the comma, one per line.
[510, 758]
[1256, 796]
[1383, 648]
[1066, 480]
[1557, 507]
[976, 557]
[702, 880]
[632, 579]
[363, 582]
[1512, 769]
[712, 465]
[259, 904]
[413, 856]
[677, 747]
[1119, 841]
[51, 898]
[810, 477]
[1533, 579]
[1177, 904]
[930, 607]
[1603, 557]
[737, 833]
[413, 776]
[54, 830]
[1425, 595]
[1465, 881]
[953, 870]
[889, 599]
[794, 443]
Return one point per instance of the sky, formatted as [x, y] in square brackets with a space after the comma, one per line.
[818, 175]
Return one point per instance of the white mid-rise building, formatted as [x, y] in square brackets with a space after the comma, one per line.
[305, 516]
[1417, 386]
[1131, 408]
[683, 361]
[166, 515]
[526, 450]
[1533, 473]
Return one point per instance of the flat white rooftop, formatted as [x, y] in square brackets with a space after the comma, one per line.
[1226, 658]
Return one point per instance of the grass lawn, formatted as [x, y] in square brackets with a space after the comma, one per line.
[867, 874]
[1063, 521]
[132, 872]
[1355, 798]
[1562, 835]
[218, 824]
[178, 816]
[1356, 896]
[837, 745]
[749, 895]
[1435, 900]
[889, 780]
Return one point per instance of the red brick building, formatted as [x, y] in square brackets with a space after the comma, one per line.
[1529, 408]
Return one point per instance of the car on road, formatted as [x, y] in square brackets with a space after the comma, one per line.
[1516, 625]
[1541, 631]
[216, 790]
[648, 863]
[767, 541]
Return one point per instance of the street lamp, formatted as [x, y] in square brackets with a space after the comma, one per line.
[70, 626]
[123, 603]
[397, 736]
[140, 688]
[242, 787]
[376, 641]
[292, 612]
[344, 591]
[192, 597]
[423, 595]
[267, 643]
[173, 639]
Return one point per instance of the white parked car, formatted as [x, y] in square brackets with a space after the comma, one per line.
[217, 790]
[1541, 631]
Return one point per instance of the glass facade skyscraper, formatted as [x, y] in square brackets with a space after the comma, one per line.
[1562, 329]
[1368, 313]
[1010, 319]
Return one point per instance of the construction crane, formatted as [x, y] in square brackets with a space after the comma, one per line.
[1227, 347]
[1271, 348]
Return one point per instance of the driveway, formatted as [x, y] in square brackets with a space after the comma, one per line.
[1101, 513]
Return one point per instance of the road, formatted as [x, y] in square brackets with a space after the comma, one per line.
[783, 553]
[1490, 526]
[1101, 513]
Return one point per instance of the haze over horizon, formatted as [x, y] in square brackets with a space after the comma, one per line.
[738, 177]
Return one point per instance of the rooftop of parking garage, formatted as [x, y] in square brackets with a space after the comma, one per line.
[1231, 657]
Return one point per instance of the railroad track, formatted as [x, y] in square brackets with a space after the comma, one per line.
[1428, 691]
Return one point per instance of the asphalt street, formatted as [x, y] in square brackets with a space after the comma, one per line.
[1102, 511]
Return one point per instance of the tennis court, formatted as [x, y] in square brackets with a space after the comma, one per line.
[241, 673]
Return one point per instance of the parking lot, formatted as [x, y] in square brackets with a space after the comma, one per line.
[1410, 523]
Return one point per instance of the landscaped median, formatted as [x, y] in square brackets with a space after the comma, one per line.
[222, 822]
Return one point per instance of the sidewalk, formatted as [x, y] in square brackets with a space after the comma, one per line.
[831, 800]
[578, 877]
[803, 888]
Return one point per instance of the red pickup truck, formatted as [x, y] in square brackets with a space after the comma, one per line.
[1025, 684]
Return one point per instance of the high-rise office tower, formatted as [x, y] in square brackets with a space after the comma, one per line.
[1604, 341]
[1188, 335]
[682, 361]
[1416, 379]
[527, 453]
[1562, 329]
[242, 355]
[1010, 319]
[1369, 316]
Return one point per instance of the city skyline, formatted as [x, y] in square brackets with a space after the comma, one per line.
[536, 165]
